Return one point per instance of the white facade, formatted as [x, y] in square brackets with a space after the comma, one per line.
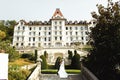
[57, 32]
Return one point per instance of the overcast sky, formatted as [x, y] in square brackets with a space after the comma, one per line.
[44, 9]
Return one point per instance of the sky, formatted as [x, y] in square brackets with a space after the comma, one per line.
[42, 10]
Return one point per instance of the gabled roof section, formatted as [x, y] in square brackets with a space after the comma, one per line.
[57, 14]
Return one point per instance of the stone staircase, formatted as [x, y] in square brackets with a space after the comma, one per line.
[56, 77]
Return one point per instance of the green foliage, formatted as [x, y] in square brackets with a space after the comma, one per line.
[44, 64]
[36, 54]
[75, 63]
[70, 55]
[18, 75]
[8, 28]
[105, 54]
[54, 71]
[29, 56]
[45, 54]
[57, 62]
[2, 34]
[5, 45]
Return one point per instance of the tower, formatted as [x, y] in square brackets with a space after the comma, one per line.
[58, 28]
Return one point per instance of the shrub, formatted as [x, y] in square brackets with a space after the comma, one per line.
[70, 55]
[75, 63]
[44, 62]
[57, 63]
[18, 75]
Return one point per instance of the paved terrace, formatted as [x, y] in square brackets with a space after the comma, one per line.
[56, 77]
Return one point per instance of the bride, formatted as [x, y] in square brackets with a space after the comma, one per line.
[62, 73]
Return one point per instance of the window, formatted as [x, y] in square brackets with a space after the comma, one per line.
[60, 27]
[55, 32]
[39, 38]
[55, 38]
[71, 38]
[60, 33]
[55, 22]
[70, 28]
[33, 44]
[86, 33]
[29, 39]
[49, 28]
[21, 44]
[76, 33]
[81, 33]
[66, 28]
[34, 28]
[45, 28]
[66, 33]
[39, 33]
[81, 28]
[39, 28]
[86, 38]
[82, 38]
[29, 44]
[18, 28]
[30, 28]
[45, 33]
[76, 38]
[55, 27]
[60, 38]
[76, 28]
[29, 33]
[60, 22]
[70, 33]
[17, 38]
[17, 44]
[23, 28]
[45, 39]
[49, 33]
[34, 33]
[33, 38]
[49, 39]
[86, 28]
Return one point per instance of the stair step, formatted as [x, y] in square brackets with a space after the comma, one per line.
[56, 77]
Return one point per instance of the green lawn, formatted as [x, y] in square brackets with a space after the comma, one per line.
[54, 71]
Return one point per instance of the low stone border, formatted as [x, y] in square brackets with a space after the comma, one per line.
[87, 74]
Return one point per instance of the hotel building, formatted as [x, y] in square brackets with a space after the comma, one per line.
[57, 32]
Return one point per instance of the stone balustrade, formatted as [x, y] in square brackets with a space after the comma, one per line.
[87, 75]
[36, 73]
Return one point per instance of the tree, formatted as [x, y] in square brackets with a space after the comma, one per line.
[105, 55]
[44, 62]
[57, 63]
[75, 63]
[36, 54]
[2, 34]
[5, 46]
[45, 54]
[70, 55]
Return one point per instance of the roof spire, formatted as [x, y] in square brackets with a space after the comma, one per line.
[57, 14]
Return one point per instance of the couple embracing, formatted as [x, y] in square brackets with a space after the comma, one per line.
[61, 72]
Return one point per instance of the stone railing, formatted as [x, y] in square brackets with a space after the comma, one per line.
[87, 75]
[35, 75]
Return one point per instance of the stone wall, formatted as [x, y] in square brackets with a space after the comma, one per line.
[87, 75]
[35, 75]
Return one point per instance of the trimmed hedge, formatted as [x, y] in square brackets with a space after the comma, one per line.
[54, 71]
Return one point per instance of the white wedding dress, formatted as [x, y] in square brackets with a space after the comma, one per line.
[62, 73]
